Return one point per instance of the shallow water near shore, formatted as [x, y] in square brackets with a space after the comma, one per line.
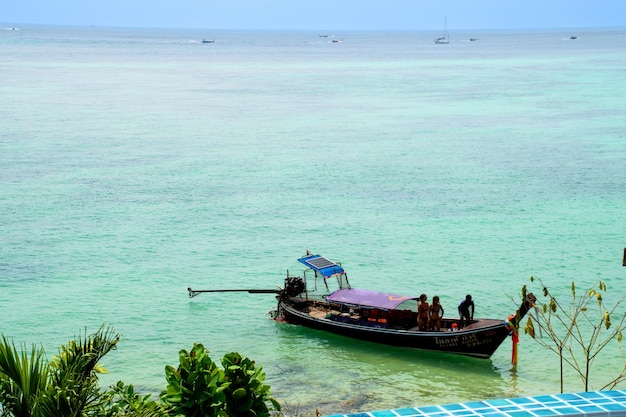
[136, 163]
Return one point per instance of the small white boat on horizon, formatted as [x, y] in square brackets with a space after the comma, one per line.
[445, 39]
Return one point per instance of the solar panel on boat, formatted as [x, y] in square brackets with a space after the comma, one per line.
[320, 263]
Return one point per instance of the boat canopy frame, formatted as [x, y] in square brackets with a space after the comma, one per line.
[370, 299]
[325, 268]
[347, 295]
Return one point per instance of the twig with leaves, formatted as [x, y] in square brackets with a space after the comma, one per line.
[576, 334]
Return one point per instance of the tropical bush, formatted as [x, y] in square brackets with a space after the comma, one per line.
[67, 386]
[246, 395]
[195, 388]
[199, 388]
[30, 386]
[122, 400]
[23, 379]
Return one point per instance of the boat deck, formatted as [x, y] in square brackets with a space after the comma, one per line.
[588, 404]
[323, 311]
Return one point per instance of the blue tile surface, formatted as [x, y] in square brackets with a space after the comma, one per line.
[520, 414]
[567, 411]
[509, 408]
[498, 402]
[568, 397]
[543, 412]
[430, 409]
[584, 404]
[590, 409]
[592, 394]
[521, 400]
[493, 414]
[452, 407]
[476, 405]
[407, 412]
[386, 413]
[615, 407]
[545, 399]
[614, 393]
[533, 406]
[463, 413]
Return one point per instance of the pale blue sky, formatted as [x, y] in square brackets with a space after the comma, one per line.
[320, 14]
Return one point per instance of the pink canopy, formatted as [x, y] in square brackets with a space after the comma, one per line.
[368, 298]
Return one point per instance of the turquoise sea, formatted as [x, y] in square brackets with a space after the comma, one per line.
[135, 163]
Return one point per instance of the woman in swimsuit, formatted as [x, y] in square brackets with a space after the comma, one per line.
[436, 313]
[422, 313]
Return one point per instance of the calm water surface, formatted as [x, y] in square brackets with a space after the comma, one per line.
[135, 163]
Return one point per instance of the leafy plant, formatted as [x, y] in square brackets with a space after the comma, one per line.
[67, 386]
[122, 400]
[199, 388]
[577, 334]
[23, 378]
[246, 396]
[196, 387]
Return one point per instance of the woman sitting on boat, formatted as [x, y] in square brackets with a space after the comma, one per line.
[436, 313]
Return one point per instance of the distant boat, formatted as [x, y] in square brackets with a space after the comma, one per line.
[573, 37]
[323, 36]
[445, 38]
[337, 40]
[208, 41]
[473, 39]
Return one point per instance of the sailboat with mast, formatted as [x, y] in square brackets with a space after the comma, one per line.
[445, 39]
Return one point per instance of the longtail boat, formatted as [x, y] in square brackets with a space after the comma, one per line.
[326, 301]
[389, 319]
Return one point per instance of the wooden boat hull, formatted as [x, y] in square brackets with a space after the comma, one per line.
[480, 339]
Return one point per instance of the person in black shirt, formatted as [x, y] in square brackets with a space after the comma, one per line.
[466, 311]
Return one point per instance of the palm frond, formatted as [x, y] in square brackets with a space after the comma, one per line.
[23, 378]
[74, 373]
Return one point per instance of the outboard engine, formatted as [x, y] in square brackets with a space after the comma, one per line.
[294, 286]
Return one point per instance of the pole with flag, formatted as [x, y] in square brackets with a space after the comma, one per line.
[513, 327]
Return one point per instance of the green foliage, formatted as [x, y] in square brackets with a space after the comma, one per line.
[246, 395]
[576, 333]
[73, 383]
[196, 388]
[22, 378]
[122, 400]
[68, 385]
[199, 388]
